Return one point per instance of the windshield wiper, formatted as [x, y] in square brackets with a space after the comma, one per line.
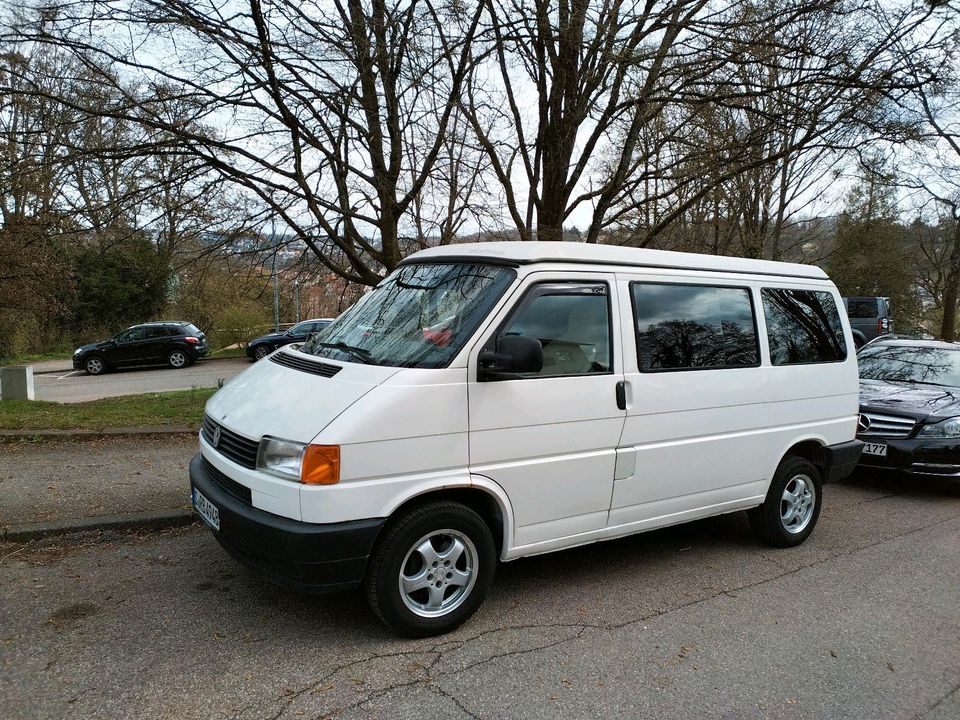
[911, 381]
[360, 353]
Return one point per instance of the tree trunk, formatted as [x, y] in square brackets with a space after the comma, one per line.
[948, 328]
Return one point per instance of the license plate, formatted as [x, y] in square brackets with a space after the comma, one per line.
[206, 509]
[879, 449]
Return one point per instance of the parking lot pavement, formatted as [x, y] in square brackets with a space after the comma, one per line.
[71, 480]
[862, 621]
[76, 386]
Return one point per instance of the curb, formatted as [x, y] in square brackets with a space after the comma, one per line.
[72, 369]
[7, 436]
[153, 520]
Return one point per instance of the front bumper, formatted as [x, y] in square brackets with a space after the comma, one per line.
[308, 557]
[926, 457]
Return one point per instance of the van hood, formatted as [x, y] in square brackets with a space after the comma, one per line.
[271, 399]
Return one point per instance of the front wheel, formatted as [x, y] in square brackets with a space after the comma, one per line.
[792, 507]
[260, 352]
[431, 569]
[94, 365]
[178, 359]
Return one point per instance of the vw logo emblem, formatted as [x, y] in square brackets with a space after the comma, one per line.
[215, 440]
[863, 423]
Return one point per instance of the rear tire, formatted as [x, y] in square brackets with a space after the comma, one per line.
[178, 359]
[431, 569]
[95, 365]
[792, 507]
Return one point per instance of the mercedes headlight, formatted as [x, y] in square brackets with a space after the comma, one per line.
[949, 428]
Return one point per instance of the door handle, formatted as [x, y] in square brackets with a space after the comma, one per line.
[622, 395]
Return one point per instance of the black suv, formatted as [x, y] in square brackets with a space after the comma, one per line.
[175, 343]
[260, 347]
[870, 318]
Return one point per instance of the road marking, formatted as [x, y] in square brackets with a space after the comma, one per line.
[73, 372]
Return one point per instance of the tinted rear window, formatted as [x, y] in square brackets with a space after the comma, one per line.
[687, 327]
[862, 307]
[803, 326]
[191, 329]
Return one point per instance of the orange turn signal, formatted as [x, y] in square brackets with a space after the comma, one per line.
[321, 465]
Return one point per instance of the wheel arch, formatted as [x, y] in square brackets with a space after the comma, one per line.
[812, 449]
[482, 495]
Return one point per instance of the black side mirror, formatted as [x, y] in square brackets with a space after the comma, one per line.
[515, 355]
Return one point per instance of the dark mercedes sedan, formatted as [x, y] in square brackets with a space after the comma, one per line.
[910, 406]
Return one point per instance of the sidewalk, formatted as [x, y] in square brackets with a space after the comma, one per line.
[70, 485]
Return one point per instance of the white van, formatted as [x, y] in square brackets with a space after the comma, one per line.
[498, 400]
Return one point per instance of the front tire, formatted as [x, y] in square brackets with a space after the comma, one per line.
[178, 359]
[95, 365]
[431, 569]
[792, 507]
[260, 352]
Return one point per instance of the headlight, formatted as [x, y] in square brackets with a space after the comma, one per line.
[77, 351]
[949, 428]
[310, 464]
[280, 457]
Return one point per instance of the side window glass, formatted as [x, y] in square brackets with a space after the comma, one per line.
[132, 335]
[803, 326]
[691, 327]
[573, 326]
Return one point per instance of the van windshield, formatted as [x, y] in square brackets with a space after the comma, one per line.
[420, 316]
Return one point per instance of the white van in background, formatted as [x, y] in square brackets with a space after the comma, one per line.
[498, 400]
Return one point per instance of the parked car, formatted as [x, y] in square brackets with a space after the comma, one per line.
[910, 407]
[260, 347]
[176, 343]
[870, 317]
[500, 400]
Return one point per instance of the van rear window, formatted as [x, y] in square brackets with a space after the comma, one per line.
[693, 327]
[803, 326]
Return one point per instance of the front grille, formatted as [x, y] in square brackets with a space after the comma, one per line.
[887, 426]
[232, 446]
[231, 487]
[303, 365]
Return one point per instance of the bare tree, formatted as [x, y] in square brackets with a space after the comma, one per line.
[331, 114]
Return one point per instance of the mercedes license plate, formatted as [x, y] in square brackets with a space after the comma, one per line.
[874, 448]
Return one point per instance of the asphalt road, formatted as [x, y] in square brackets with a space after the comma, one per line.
[862, 621]
[76, 386]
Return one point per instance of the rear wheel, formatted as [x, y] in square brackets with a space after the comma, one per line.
[95, 365]
[792, 507]
[178, 359]
[431, 569]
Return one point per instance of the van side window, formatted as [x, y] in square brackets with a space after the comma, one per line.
[803, 326]
[693, 327]
[572, 323]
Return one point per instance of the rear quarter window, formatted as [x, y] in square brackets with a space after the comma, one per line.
[861, 308]
[803, 326]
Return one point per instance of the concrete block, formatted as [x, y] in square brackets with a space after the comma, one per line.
[16, 382]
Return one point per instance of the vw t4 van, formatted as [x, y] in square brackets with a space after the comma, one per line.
[496, 400]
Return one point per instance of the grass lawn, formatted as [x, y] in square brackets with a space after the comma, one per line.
[38, 357]
[177, 407]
